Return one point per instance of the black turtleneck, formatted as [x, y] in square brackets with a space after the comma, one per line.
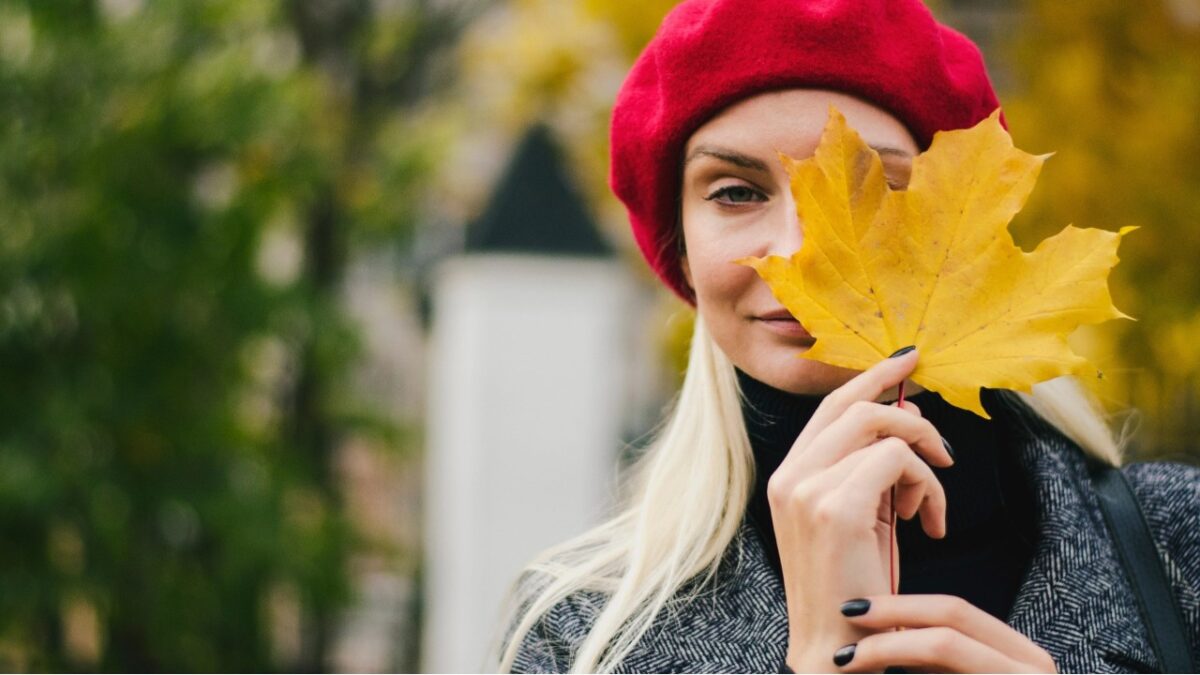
[990, 522]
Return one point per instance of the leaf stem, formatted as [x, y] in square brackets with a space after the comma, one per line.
[892, 548]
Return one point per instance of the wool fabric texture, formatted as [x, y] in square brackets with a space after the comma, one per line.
[1074, 600]
[709, 54]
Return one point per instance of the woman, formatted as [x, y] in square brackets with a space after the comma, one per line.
[754, 532]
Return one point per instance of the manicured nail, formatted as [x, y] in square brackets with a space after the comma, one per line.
[855, 607]
[902, 351]
[894, 669]
[949, 450]
[843, 656]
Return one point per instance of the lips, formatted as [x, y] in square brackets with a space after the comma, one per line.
[783, 323]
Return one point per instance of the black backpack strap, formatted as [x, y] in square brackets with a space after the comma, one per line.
[1139, 557]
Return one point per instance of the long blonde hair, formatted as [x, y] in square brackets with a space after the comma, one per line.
[683, 502]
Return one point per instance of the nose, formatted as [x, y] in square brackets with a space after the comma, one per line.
[788, 231]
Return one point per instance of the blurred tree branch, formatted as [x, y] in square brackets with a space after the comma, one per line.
[181, 187]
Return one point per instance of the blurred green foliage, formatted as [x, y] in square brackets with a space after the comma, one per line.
[181, 184]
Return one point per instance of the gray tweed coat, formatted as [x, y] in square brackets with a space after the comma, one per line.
[1074, 601]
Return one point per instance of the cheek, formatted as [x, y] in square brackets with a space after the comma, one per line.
[711, 249]
[718, 280]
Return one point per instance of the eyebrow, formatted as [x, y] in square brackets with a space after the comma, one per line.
[729, 156]
[755, 164]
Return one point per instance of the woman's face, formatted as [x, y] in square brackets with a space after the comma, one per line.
[736, 202]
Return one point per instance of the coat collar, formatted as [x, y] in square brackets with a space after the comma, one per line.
[1074, 600]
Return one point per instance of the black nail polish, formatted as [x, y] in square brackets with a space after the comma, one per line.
[894, 669]
[902, 351]
[844, 655]
[949, 450]
[855, 607]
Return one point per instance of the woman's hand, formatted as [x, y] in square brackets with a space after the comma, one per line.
[831, 506]
[944, 634]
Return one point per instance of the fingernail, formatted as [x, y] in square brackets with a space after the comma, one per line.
[949, 450]
[894, 669]
[843, 656]
[902, 351]
[855, 607]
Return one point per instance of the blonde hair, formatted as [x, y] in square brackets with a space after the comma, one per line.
[682, 504]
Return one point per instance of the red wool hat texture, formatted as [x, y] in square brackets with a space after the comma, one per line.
[709, 54]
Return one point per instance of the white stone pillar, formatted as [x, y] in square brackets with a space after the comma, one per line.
[527, 367]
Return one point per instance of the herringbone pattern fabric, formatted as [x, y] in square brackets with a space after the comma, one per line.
[1074, 600]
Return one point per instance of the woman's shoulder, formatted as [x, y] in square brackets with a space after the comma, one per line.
[733, 621]
[550, 644]
[1169, 495]
[1166, 487]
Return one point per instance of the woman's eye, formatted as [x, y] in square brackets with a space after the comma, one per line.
[737, 194]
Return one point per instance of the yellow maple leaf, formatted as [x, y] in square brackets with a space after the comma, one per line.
[935, 266]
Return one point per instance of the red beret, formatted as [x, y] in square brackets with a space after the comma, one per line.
[709, 54]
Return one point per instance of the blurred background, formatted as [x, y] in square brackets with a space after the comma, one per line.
[308, 308]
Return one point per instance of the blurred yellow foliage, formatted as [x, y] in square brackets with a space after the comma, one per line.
[634, 22]
[1113, 88]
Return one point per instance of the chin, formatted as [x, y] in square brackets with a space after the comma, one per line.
[785, 369]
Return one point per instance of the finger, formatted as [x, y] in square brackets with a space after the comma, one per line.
[910, 407]
[909, 498]
[866, 386]
[929, 610]
[908, 504]
[939, 649]
[876, 468]
[865, 422]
